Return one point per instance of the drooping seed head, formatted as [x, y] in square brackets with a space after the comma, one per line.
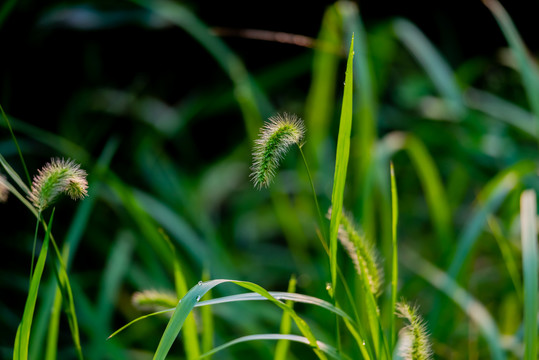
[57, 177]
[3, 189]
[415, 344]
[273, 142]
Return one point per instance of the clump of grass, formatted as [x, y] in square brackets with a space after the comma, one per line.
[57, 177]
[275, 138]
[415, 343]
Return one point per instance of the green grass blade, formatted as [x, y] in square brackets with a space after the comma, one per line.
[208, 328]
[281, 349]
[364, 90]
[21, 346]
[328, 350]
[189, 301]
[430, 178]
[14, 138]
[528, 218]
[341, 165]
[320, 101]
[473, 308]
[18, 195]
[191, 343]
[394, 258]
[527, 67]
[13, 174]
[433, 63]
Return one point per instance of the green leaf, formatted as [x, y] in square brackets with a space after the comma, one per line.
[341, 165]
[20, 351]
[394, 258]
[329, 350]
[528, 219]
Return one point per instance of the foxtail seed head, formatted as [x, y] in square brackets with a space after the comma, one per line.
[56, 177]
[3, 189]
[415, 344]
[273, 142]
[362, 252]
[154, 300]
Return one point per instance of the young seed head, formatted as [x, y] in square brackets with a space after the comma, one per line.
[362, 252]
[56, 177]
[3, 189]
[274, 139]
[415, 344]
[149, 300]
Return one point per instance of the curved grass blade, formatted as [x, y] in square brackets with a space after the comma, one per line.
[281, 349]
[528, 218]
[527, 67]
[341, 165]
[328, 350]
[433, 63]
[189, 301]
[20, 351]
[473, 308]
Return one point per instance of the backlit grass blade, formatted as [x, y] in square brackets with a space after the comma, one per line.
[321, 98]
[192, 347]
[430, 178]
[328, 350]
[364, 90]
[394, 258]
[20, 351]
[13, 174]
[190, 300]
[433, 63]
[341, 165]
[473, 308]
[526, 65]
[528, 221]
[281, 349]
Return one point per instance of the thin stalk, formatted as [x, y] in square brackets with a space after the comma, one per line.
[34, 247]
[315, 197]
[394, 266]
[17, 146]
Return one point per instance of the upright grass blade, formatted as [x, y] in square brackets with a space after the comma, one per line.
[365, 93]
[433, 63]
[473, 308]
[527, 66]
[528, 219]
[430, 178]
[321, 98]
[20, 351]
[341, 165]
[189, 301]
[281, 349]
[208, 328]
[328, 350]
[192, 347]
[394, 258]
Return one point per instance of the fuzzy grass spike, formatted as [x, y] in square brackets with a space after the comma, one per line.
[3, 189]
[279, 133]
[415, 344]
[362, 252]
[57, 177]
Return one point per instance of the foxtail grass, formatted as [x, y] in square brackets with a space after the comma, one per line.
[275, 138]
[415, 344]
